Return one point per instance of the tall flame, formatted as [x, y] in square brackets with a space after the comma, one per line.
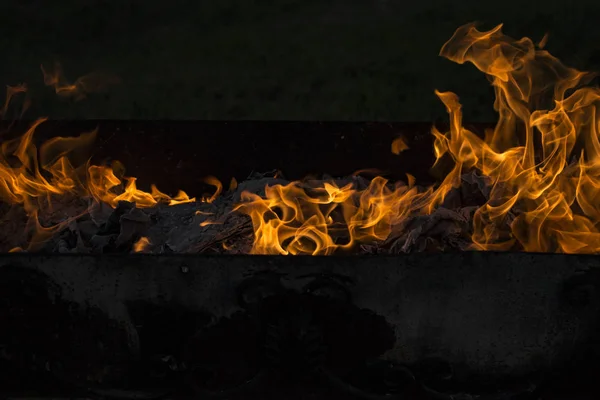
[542, 162]
[546, 117]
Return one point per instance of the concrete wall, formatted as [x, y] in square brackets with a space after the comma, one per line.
[268, 59]
[492, 314]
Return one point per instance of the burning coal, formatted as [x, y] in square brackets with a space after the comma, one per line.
[532, 183]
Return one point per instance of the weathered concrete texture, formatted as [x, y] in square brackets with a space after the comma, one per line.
[485, 313]
[284, 59]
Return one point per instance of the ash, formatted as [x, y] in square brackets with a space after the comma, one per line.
[85, 226]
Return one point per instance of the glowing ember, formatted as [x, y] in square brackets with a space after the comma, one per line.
[141, 245]
[536, 199]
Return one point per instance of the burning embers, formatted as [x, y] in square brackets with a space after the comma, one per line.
[532, 183]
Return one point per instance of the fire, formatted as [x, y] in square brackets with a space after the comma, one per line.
[141, 245]
[546, 118]
[35, 178]
[12, 91]
[49, 172]
[300, 219]
[399, 145]
[103, 185]
[541, 160]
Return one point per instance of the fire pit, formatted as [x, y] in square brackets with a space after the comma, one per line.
[421, 286]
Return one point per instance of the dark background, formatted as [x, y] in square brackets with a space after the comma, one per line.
[181, 154]
[274, 59]
[308, 60]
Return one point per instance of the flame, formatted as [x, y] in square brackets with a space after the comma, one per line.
[296, 219]
[399, 145]
[11, 92]
[546, 116]
[35, 178]
[141, 245]
[233, 184]
[50, 172]
[211, 180]
[198, 212]
[542, 162]
[208, 222]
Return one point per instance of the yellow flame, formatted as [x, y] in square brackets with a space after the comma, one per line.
[206, 223]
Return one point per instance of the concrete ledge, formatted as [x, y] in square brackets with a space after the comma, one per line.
[492, 314]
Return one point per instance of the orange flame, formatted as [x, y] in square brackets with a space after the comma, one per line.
[546, 117]
[51, 173]
[295, 219]
[141, 245]
[11, 91]
[399, 145]
[211, 180]
[34, 177]
[233, 184]
[542, 162]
